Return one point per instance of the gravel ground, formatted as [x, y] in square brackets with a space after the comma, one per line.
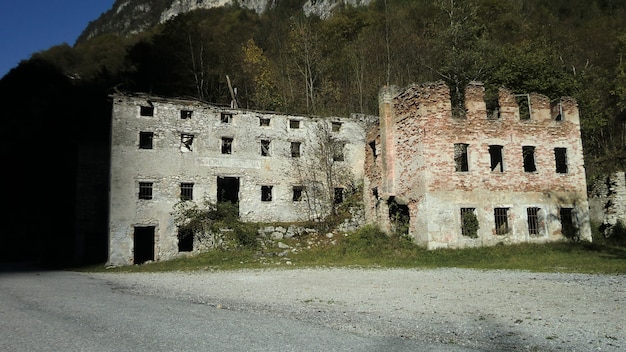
[485, 310]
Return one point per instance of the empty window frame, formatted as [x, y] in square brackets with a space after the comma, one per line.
[528, 153]
[226, 117]
[501, 217]
[186, 114]
[338, 197]
[338, 151]
[567, 222]
[335, 126]
[469, 222]
[294, 124]
[532, 214]
[227, 145]
[186, 140]
[266, 193]
[296, 149]
[265, 147]
[145, 190]
[523, 103]
[186, 191]
[185, 240]
[146, 110]
[461, 163]
[495, 155]
[145, 140]
[297, 193]
[560, 157]
[264, 121]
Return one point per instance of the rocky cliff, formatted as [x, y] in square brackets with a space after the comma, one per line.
[134, 16]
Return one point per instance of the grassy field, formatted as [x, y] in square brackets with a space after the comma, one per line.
[371, 248]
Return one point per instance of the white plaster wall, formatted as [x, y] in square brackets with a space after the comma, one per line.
[167, 165]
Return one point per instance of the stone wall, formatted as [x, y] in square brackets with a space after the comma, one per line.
[419, 167]
[607, 201]
[189, 150]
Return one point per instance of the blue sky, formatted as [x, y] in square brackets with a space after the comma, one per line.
[27, 27]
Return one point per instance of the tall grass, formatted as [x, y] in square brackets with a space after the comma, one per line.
[370, 247]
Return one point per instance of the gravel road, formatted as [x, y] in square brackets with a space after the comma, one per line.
[482, 310]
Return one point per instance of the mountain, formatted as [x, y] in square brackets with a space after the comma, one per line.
[134, 16]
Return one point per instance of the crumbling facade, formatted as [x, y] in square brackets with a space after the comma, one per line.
[514, 174]
[455, 177]
[607, 202]
[164, 151]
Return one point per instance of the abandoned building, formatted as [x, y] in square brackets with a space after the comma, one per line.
[478, 177]
[167, 150]
[474, 178]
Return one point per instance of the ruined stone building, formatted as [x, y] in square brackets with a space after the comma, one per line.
[513, 174]
[166, 150]
[477, 177]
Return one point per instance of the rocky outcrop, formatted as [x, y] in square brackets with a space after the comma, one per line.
[134, 16]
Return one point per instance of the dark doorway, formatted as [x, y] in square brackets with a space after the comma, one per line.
[185, 240]
[228, 189]
[144, 244]
[399, 216]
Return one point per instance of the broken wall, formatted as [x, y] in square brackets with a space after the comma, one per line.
[421, 165]
[165, 143]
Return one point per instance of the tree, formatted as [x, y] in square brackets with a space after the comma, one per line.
[323, 171]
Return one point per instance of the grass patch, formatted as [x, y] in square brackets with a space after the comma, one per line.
[369, 247]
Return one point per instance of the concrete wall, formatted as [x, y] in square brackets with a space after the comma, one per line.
[607, 201]
[169, 163]
[417, 134]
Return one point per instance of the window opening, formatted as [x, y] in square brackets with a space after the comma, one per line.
[146, 110]
[375, 193]
[185, 240]
[143, 244]
[399, 216]
[295, 149]
[227, 145]
[297, 193]
[528, 153]
[294, 124]
[186, 191]
[145, 140]
[264, 121]
[533, 221]
[335, 126]
[185, 114]
[560, 156]
[226, 117]
[338, 198]
[266, 193]
[567, 222]
[338, 154]
[495, 154]
[492, 104]
[265, 147]
[228, 189]
[556, 111]
[186, 140]
[460, 157]
[502, 220]
[523, 103]
[145, 190]
[372, 145]
[469, 222]
[457, 101]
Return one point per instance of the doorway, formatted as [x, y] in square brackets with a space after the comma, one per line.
[228, 189]
[143, 241]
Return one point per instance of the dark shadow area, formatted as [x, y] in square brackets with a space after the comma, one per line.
[55, 148]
